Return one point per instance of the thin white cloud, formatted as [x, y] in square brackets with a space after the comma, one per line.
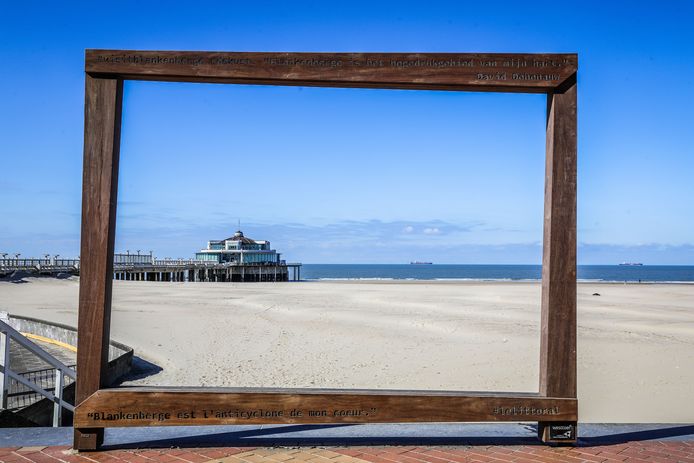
[432, 231]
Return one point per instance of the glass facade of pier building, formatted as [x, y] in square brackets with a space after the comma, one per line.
[239, 250]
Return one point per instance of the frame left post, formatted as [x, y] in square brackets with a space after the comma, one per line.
[103, 101]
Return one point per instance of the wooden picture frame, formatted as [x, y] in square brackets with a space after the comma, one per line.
[554, 406]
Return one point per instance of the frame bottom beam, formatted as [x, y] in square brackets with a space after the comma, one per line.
[124, 407]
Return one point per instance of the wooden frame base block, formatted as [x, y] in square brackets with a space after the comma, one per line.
[561, 433]
[88, 438]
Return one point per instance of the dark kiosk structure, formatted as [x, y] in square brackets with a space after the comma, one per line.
[553, 406]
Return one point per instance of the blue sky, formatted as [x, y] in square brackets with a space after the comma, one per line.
[347, 175]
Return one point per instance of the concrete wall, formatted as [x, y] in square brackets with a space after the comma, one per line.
[120, 356]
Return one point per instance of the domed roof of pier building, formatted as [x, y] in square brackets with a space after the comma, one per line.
[238, 236]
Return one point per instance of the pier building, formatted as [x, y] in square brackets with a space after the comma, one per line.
[239, 249]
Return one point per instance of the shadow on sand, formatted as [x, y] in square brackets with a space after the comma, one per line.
[140, 369]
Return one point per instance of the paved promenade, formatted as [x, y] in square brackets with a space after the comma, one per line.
[631, 452]
[436, 443]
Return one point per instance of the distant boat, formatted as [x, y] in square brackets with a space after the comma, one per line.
[417, 262]
[631, 264]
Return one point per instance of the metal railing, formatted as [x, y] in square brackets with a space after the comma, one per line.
[176, 262]
[38, 264]
[20, 396]
[61, 371]
[133, 259]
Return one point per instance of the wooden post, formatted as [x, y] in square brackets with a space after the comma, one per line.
[558, 326]
[102, 108]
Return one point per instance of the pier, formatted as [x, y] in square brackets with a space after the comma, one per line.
[195, 270]
[144, 267]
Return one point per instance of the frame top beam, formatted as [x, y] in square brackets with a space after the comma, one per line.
[497, 72]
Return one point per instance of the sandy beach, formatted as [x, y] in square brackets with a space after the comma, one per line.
[635, 342]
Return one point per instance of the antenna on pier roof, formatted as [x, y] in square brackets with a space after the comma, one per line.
[239, 225]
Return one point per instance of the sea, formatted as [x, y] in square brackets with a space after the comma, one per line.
[587, 273]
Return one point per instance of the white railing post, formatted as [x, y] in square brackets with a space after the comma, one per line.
[58, 393]
[5, 359]
[4, 378]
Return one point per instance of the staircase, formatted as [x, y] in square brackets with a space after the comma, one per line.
[20, 390]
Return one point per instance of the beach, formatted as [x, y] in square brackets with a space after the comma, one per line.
[635, 341]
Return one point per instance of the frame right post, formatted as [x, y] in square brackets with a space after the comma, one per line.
[558, 320]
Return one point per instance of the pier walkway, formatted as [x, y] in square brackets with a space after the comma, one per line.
[199, 271]
[135, 267]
